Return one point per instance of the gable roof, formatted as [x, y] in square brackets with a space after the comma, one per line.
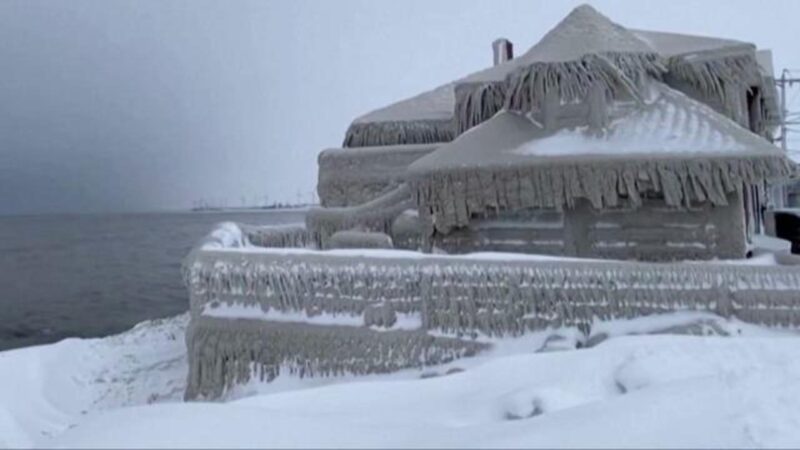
[585, 50]
[423, 119]
[436, 104]
[583, 31]
[676, 44]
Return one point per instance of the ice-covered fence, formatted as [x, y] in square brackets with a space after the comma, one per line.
[291, 235]
[259, 310]
[225, 352]
[486, 294]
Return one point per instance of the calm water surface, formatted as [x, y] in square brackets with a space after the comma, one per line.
[94, 275]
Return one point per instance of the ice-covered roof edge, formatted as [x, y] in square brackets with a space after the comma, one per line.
[467, 184]
[668, 121]
[453, 197]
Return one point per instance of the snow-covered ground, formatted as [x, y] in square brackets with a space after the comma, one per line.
[700, 381]
[47, 389]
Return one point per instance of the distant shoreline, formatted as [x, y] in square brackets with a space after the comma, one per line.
[276, 208]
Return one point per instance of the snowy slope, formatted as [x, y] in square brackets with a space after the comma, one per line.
[46, 389]
[629, 391]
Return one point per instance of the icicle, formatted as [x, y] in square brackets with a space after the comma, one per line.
[444, 194]
[477, 103]
[370, 134]
[229, 347]
[725, 78]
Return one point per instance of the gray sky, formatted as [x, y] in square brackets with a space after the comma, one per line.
[117, 105]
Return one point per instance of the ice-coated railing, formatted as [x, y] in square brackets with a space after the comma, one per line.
[375, 216]
[292, 235]
[364, 311]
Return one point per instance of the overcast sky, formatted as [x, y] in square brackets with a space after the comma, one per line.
[117, 105]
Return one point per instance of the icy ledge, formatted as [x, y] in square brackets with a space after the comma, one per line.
[536, 391]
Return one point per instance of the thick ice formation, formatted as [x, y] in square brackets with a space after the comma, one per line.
[422, 119]
[667, 125]
[258, 312]
[674, 146]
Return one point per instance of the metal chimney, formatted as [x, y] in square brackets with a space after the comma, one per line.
[503, 51]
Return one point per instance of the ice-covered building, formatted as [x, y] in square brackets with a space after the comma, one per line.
[659, 181]
[599, 141]
[621, 153]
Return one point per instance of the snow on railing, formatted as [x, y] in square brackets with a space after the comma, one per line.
[292, 235]
[231, 235]
[465, 294]
[226, 235]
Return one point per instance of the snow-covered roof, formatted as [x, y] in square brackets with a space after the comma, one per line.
[672, 145]
[584, 51]
[436, 104]
[423, 119]
[675, 44]
[764, 58]
[583, 32]
[670, 124]
[584, 43]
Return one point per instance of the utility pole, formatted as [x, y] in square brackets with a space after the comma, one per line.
[785, 80]
[782, 82]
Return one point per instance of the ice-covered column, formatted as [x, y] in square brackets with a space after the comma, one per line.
[598, 111]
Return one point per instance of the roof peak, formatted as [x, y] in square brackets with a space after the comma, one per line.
[585, 10]
[586, 31]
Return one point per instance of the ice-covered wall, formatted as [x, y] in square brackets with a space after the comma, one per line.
[368, 311]
[656, 232]
[352, 176]
[534, 231]
[651, 232]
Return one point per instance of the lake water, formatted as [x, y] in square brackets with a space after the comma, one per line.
[94, 275]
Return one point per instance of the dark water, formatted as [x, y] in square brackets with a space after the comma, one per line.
[93, 275]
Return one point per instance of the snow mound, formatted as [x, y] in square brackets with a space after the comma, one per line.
[645, 391]
[44, 390]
